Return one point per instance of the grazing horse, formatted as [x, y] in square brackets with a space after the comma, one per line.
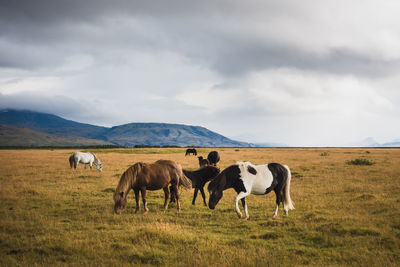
[246, 178]
[191, 151]
[85, 158]
[203, 162]
[213, 157]
[199, 178]
[149, 176]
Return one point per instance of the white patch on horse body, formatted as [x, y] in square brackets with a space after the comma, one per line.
[244, 175]
[262, 181]
[255, 184]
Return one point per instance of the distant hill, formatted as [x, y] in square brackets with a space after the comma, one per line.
[50, 123]
[131, 134]
[168, 134]
[370, 142]
[18, 136]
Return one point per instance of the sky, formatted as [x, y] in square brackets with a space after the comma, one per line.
[300, 73]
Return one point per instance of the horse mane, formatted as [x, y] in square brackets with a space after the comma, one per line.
[96, 159]
[127, 180]
[218, 181]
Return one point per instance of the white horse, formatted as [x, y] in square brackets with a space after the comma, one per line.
[85, 158]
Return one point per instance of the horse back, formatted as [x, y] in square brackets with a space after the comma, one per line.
[158, 175]
[263, 180]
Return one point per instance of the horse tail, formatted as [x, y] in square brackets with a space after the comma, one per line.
[71, 160]
[287, 201]
[183, 179]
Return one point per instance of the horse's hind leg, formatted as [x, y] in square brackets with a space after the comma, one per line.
[166, 197]
[171, 189]
[203, 195]
[137, 200]
[278, 193]
[195, 195]
[143, 191]
[175, 190]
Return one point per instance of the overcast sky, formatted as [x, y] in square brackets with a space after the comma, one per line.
[303, 73]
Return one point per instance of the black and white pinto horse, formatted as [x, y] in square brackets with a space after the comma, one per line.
[85, 158]
[246, 178]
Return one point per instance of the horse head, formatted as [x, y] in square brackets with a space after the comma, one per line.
[99, 166]
[120, 201]
[97, 162]
[216, 188]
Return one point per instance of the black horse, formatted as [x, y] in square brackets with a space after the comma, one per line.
[191, 151]
[199, 178]
[213, 157]
[203, 162]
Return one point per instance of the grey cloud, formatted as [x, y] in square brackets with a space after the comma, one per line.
[202, 31]
[59, 105]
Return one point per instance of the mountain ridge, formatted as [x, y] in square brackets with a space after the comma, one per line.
[130, 134]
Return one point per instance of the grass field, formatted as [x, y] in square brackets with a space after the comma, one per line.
[345, 214]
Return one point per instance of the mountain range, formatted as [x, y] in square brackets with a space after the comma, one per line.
[30, 128]
[371, 142]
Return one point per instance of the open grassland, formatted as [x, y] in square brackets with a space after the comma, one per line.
[345, 214]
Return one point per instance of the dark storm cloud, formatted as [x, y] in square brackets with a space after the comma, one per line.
[217, 35]
[256, 63]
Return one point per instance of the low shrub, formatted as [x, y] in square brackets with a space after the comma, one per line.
[360, 161]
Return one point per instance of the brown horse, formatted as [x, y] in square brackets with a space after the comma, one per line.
[149, 176]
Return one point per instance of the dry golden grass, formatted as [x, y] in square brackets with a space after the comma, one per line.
[345, 214]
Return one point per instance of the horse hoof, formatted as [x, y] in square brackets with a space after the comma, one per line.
[239, 215]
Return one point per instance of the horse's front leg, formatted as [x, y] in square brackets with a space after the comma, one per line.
[90, 164]
[143, 191]
[203, 195]
[244, 204]
[195, 195]
[166, 197]
[137, 200]
[237, 198]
